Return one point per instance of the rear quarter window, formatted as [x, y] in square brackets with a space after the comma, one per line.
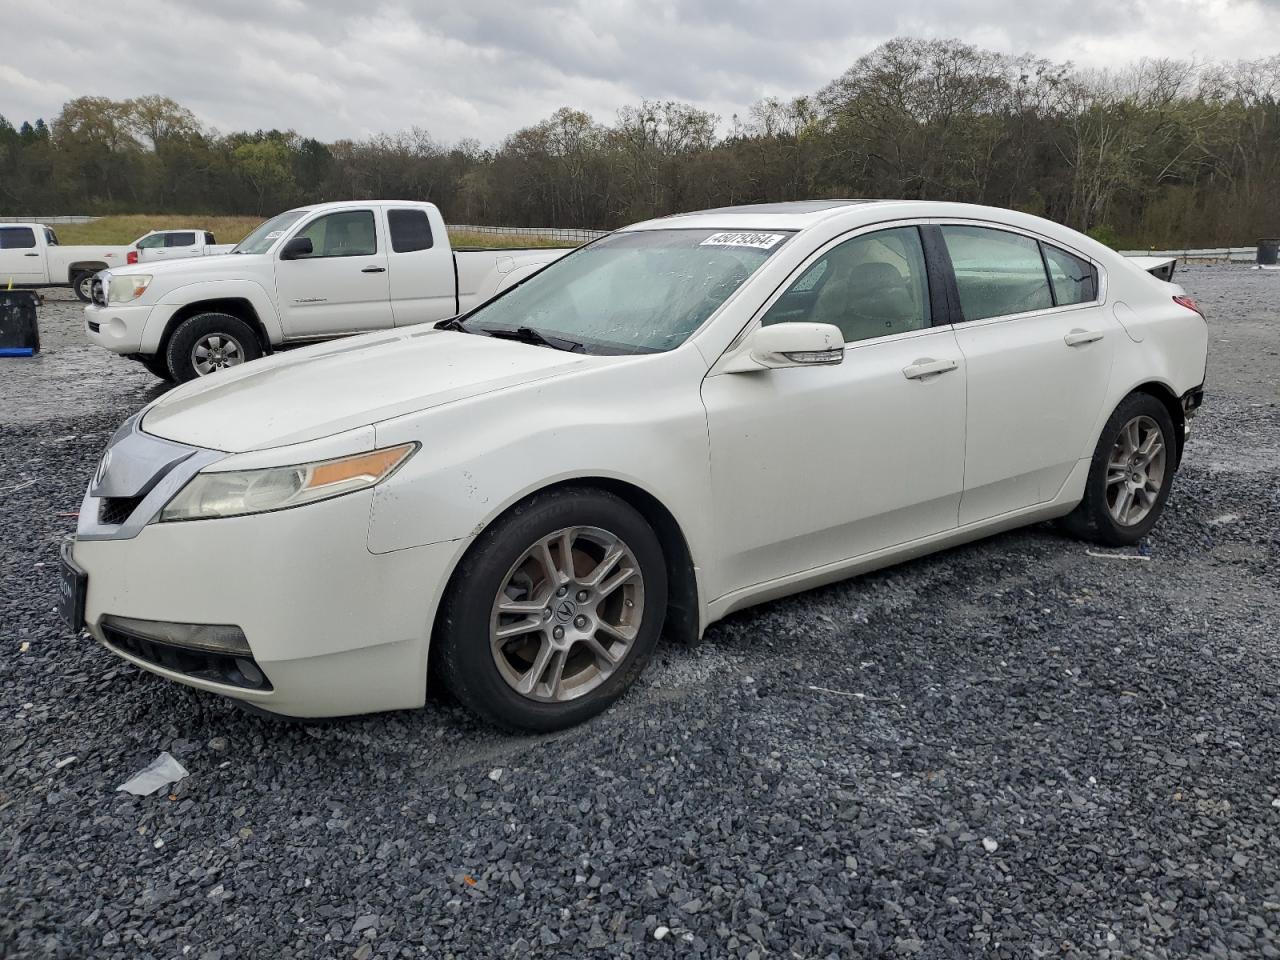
[410, 230]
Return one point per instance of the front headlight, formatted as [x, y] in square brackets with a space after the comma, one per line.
[238, 492]
[122, 289]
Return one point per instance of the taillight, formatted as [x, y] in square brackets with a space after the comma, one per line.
[1189, 304]
[133, 258]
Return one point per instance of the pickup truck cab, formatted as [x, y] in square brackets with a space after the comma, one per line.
[31, 256]
[306, 275]
[175, 245]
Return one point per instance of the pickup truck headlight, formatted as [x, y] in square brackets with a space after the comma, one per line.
[126, 288]
[235, 493]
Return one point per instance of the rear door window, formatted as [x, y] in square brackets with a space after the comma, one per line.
[1074, 279]
[410, 230]
[17, 238]
[179, 239]
[997, 273]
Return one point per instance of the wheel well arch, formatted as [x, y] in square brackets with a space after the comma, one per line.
[238, 307]
[683, 614]
[1173, 405]
[84, 266]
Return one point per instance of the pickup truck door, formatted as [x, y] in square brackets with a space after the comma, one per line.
[341, 287]
[151, 247]
[423, 283]
[21, 256]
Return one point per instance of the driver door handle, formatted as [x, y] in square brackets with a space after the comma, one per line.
[31, 254]
[374, 270]
[928, 367]
[1079, 337]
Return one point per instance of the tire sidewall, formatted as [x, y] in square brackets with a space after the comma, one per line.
[83, 280]
[464, 623]
[178, 350]
[1135, 405]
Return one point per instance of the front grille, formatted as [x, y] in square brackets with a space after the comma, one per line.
[113, 511]
[242, 671]
[96, 292]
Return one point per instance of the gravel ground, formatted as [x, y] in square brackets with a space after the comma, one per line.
[1012, 749]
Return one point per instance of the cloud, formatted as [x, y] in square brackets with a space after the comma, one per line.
[483, 68]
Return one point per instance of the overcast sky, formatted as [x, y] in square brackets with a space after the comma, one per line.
[483, 68]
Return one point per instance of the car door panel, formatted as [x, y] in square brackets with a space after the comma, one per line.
[21, 259]
[811, 466]
[342, 287]
[1036, 380]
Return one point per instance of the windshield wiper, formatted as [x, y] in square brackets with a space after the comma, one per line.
[537, 338]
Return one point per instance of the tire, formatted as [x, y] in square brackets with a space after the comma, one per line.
[82, 284]
[1113, 472]
[240, 345]
[596, 664]
[156, 365]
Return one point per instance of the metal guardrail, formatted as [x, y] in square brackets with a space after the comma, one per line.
[573, 234]
[1231, 254]
[48, 221]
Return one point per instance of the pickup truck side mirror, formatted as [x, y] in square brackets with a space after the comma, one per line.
[787, 345]
[297, 247]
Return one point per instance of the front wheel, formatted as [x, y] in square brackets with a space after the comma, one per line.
[1130, 477]
[82, 284]
[555, 610]
[207, 343]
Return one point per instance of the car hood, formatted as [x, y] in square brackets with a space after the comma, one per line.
[188, 266]
[318, 391]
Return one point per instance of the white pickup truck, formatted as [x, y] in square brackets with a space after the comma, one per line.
[310, 274]
[30, 255]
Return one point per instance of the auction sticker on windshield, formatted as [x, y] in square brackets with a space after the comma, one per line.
[761, 241]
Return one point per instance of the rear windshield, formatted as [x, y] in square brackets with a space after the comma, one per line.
[263, 238]
[643, 291]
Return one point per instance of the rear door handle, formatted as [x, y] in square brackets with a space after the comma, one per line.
[1078, 337]
[928, 367]
[31, 254]
[374, 270]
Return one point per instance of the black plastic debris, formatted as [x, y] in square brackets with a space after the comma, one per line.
[19, 332]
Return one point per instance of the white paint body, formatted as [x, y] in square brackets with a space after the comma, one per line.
[316, 299]
[49, 264]
[779, 479]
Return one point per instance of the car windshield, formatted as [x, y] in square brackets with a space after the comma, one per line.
[643, 291]
[261, 239]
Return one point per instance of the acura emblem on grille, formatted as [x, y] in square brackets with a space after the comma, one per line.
[102, 469]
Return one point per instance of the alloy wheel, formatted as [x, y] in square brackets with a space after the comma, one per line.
[1136, 471]
[567, 614]
[216, 351]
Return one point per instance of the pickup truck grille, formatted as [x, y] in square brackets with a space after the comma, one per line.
[97, 293]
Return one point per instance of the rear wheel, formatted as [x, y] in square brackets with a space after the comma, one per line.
[555, 610]
[1130, 477]
[82, 284]
[207, 343]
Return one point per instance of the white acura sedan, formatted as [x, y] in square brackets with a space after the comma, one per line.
[684, 418]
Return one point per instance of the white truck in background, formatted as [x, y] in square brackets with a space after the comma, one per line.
[310, 274]
[30, 255]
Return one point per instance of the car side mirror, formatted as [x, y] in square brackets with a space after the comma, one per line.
[788, 345]
[297, 247]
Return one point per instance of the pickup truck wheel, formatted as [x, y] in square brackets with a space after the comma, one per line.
[209, 342]
[82, 284]
[1130, 477]
[554, 611]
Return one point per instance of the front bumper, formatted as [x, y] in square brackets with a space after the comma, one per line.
[335, 629]
[120, 328]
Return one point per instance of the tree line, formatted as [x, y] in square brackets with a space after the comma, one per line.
[1161, 152]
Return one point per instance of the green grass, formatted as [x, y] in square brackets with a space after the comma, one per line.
[125, 229]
